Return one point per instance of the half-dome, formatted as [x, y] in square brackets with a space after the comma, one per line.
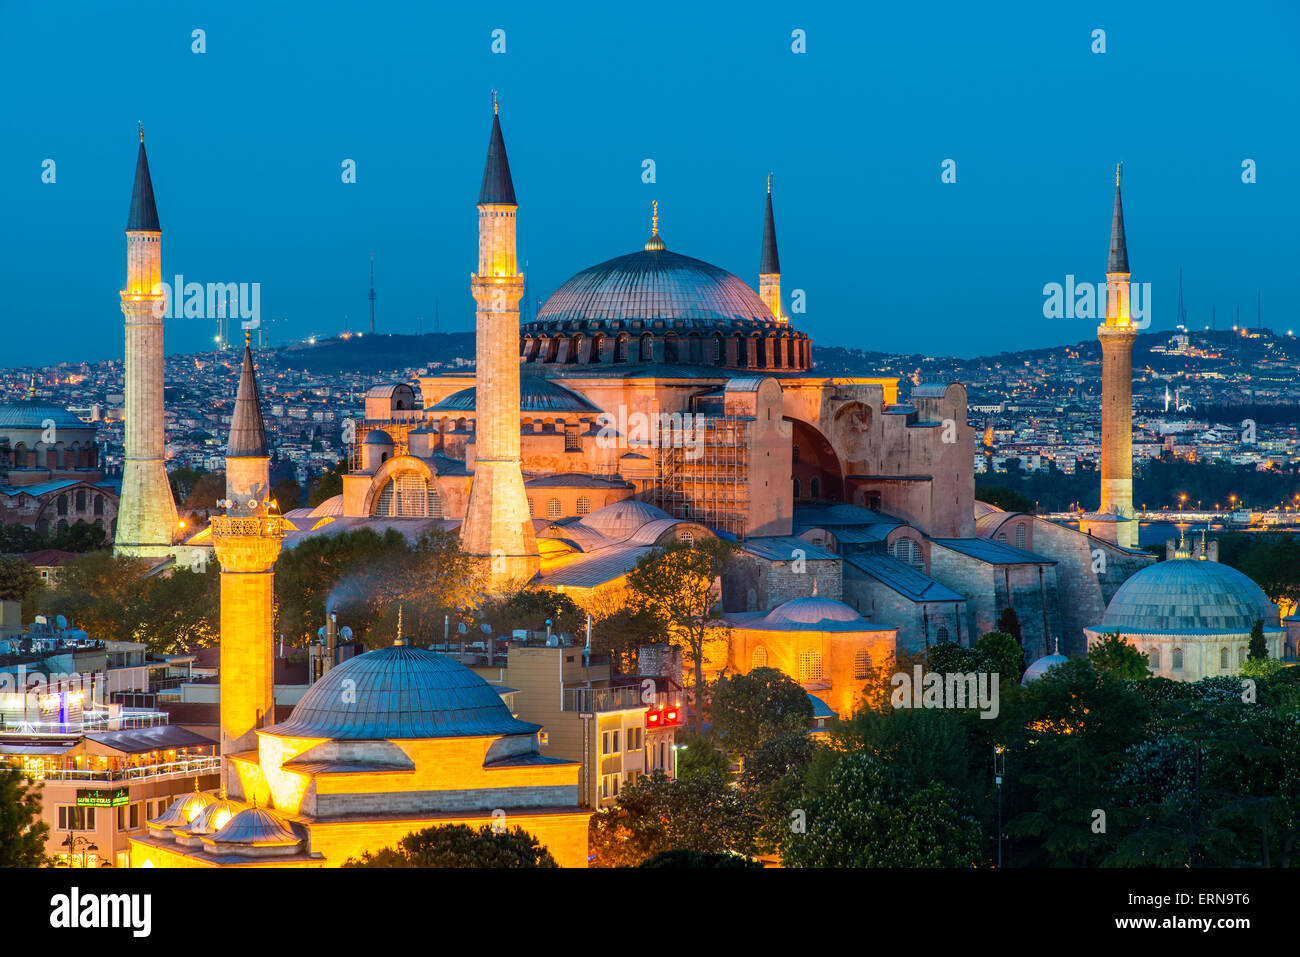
[536, 394]
[1188, 596]
[400, 693]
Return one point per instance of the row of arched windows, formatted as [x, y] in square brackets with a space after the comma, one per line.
[756, 351]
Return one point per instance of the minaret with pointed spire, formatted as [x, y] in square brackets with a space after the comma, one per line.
[497, 524]
[1117, 336]
[146, 512]
[769, 266]
[247, 541]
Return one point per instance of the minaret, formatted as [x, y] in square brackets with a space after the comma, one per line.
[497, 525]
[247, 541]
[769, 267]
[1117, 336]
[146, 513]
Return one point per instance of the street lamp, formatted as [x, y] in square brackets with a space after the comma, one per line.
[999, 769]
[73, 842]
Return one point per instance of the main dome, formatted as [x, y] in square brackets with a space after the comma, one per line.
[400, 693]
[654, 285]
[1188, 596]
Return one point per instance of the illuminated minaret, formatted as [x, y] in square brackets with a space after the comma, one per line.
[247, 541]
[497, 525]
[769, 267]
[1117, 336]
[146, 513]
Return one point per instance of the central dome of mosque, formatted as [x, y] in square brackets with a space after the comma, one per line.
[654, 284]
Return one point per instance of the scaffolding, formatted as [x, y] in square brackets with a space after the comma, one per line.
[706, 479]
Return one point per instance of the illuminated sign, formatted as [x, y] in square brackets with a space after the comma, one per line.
[98, 798]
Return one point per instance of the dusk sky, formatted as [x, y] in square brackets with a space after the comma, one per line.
[246, 142]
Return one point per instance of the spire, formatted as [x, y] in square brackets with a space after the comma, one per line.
[497, 185]
[31, 387]
[1118, 247]
[144, 214]
[247, 431]
[655, 243]
[770, 262]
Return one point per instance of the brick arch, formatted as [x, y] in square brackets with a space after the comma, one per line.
[389, 470]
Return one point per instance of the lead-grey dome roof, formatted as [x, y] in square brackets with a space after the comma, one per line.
[649, 285]
[400, 693]
[536, 394]
[32, 414]
[1188, 596]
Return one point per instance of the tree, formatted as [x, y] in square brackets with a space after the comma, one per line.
[327, 484]
[1258, 646]
[678, 584]
[696, 859]
[1004, 498]
[697, 755]
[17, 579]
[752, 709]
[702, 813]
[22, 832]
[1113, 655]
[875, 816]
[458, 845]
[1009, 623]
[530, 610]
[1001, 654]
[287, 494]
[774, 781]
[102, 594]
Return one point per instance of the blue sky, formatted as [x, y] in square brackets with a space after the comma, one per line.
[246, 141]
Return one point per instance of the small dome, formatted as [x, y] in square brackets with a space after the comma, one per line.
[33, 414]
[184, 810]
[215, 816]
[1188, 596]
[814, 613]
[623, 518]
[378, 437]
[258, 827]
[1041, 667]
[398, 693]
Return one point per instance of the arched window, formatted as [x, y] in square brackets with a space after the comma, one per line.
[815, 486]
[1002, 537]
[1223, 659]
[81, 500]
[1153, 657]
[647, 349]
[435, 504]
[719, 354]
[1241, 655]
[796, 488]
[620, 349]
[553, 508]
[941, 635]
[62, 506]
[862, 665]
[1020, 535]
[584, 505]
[99, 524]
[61, 527]
[909, 550]
[688, 537]
[408, 495]
[99, 505]
[810, 666]
[1177, 659]
[759, 658]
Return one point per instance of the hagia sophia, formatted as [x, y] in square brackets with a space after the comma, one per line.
[852, 507]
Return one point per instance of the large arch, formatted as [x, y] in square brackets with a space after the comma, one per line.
[390, 472]
[815, 464]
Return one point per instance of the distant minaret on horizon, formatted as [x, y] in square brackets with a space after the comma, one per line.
[146, 512]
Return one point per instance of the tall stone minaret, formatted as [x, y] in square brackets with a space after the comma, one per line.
[247, 541]
[497, 525]
[146, 513]
[769, 267]
[1117, 336]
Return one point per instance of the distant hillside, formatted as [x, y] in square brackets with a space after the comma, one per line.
[378, 353]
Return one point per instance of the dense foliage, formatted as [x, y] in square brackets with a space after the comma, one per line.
[458, 845]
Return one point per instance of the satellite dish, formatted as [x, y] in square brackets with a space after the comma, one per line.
[485, 628]
[61, 622]
[462, 628]
[345, 633]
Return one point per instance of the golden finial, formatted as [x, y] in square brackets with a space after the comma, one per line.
[1119, 171]
[769, 184]
[31, 387]
[654, 218]
[400, 640]
[248, 338]
[141, 131]
[496, 107]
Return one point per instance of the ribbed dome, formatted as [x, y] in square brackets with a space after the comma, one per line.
[32, 413]
[184, 810]
[1041, 667]
[397, 693]
[215, 816]
[623, 518]
[377, 437]
[1188, 596]
[255, 826]
[535, 395]
[814, 613]
[654, 284]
